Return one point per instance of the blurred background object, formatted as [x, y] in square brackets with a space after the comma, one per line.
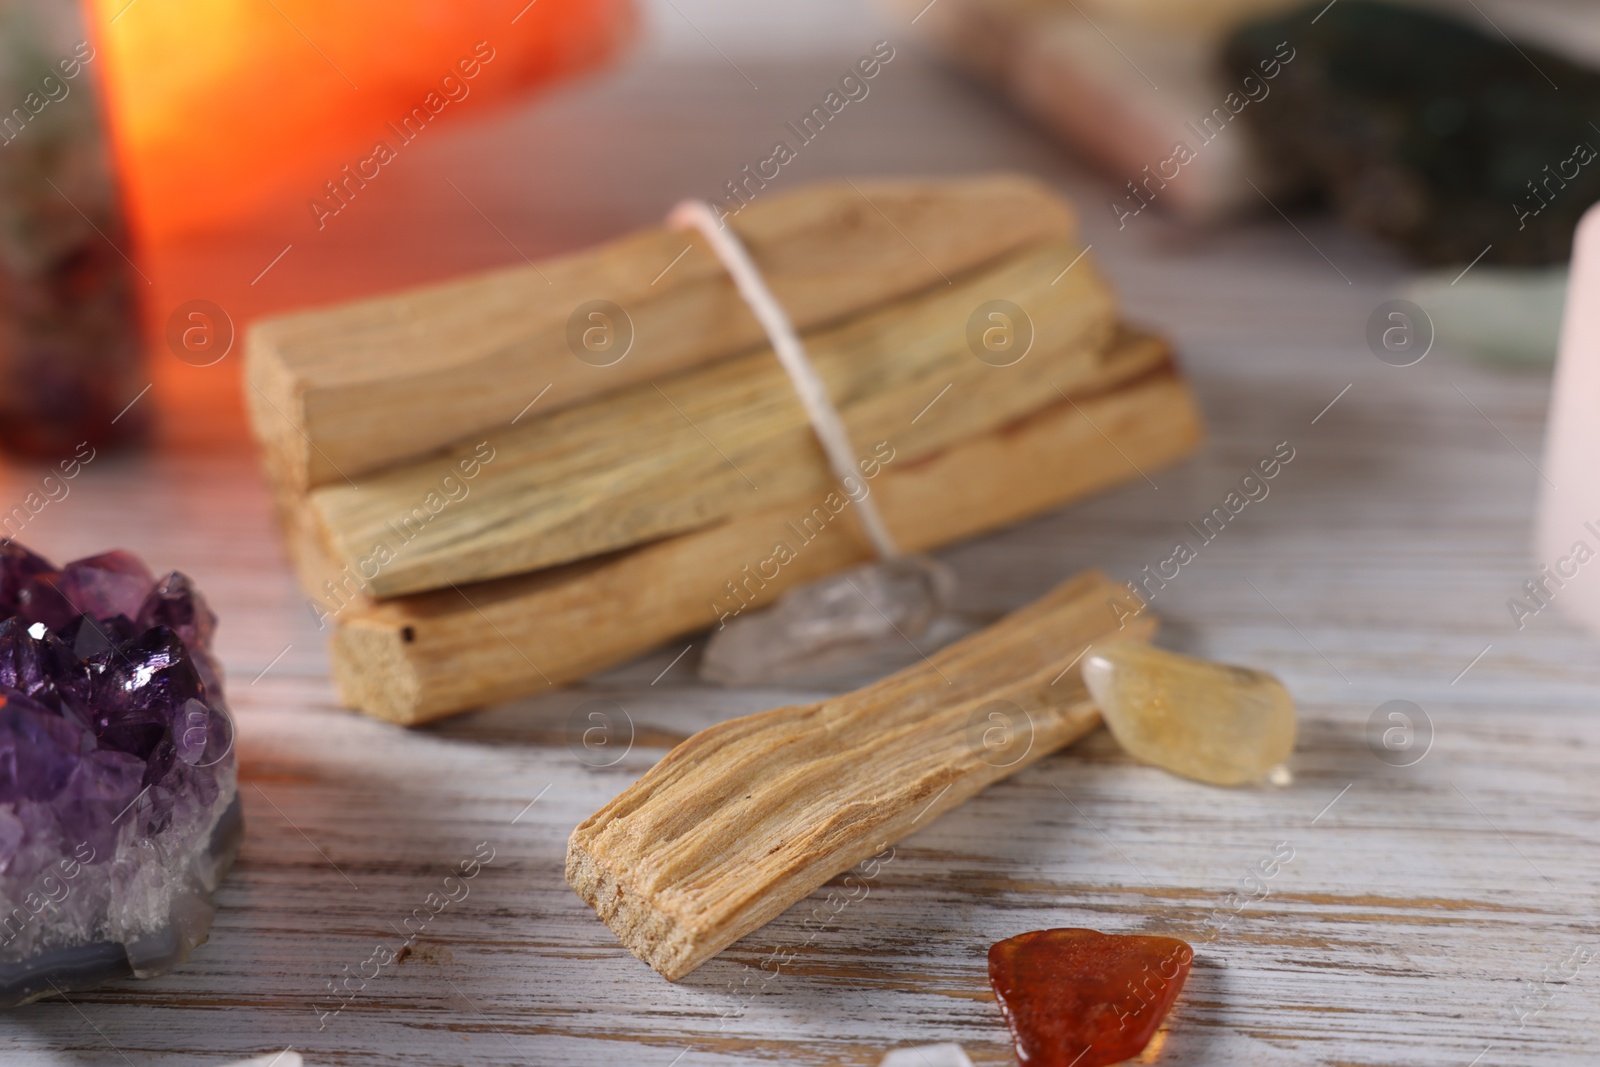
[1568, 531]
[1506, 315]
[218, 105]
[1125, 106]
[1424, 124]
[1458, 131]
[1451, 141]
[70, 347]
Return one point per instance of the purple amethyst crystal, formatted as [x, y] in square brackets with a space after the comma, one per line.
[102, 587]
[118, 797]
[17, 566]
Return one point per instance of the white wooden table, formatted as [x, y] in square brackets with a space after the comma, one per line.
[1430, 913]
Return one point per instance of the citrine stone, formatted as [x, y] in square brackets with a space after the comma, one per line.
[1208, 721]
[1080, 998]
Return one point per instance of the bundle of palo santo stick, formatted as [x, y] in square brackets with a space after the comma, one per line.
[511, 481]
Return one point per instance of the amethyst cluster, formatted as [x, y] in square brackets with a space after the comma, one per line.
[118, 795]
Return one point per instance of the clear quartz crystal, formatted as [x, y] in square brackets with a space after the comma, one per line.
[1208, 721]
[854, 615]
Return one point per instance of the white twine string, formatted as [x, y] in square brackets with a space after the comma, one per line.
[808, 385]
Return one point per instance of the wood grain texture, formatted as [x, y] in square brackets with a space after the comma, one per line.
[1422, 913]
[690, 450]
[336, 393]
[749, 816]
[417, 658]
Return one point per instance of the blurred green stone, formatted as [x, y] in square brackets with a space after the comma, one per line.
[1435, 134]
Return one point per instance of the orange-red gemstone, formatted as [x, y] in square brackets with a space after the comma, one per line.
[1080, 998]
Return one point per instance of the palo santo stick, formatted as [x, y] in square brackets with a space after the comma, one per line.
[423, 657]
[338, 392]
[715, 442]
[747, 817]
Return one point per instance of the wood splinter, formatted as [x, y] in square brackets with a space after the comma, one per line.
[745, 818]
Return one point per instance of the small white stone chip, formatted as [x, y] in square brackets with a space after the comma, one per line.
[944, 1054]
[286, 1058]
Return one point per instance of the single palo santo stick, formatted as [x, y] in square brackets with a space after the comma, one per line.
[419, 658]
[747, 817]
[668, 457]
[339, 392]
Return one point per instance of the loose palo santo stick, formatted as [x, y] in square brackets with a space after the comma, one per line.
[670, 456]
[335, 393]
[422, 657]
[746, 818]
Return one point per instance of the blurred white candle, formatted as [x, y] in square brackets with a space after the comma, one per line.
[1568, 538]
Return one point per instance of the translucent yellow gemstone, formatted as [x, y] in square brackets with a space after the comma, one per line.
[1208, 721]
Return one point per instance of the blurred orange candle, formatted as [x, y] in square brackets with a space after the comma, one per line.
[217, 105]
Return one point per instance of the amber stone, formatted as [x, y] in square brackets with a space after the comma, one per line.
[1080, 998]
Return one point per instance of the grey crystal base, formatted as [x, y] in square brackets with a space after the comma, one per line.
[81, 967]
